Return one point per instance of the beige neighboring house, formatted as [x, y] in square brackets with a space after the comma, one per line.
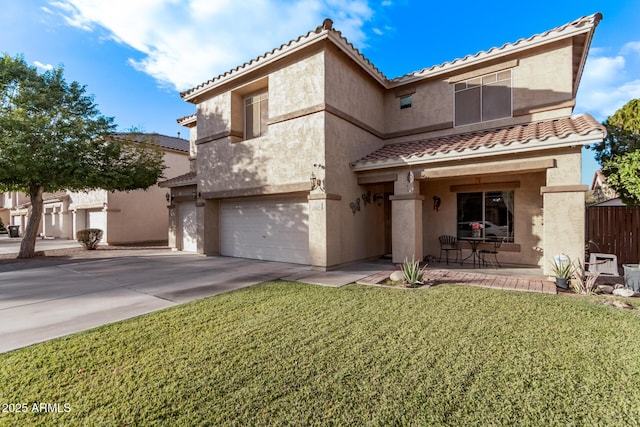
[601, 194]
[309, 154]
[9, 201]
[125, 217]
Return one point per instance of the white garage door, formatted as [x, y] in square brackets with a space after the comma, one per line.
[188, 227]
[97, 219]
[274, 229]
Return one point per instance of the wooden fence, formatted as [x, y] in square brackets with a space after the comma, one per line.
[616, 230]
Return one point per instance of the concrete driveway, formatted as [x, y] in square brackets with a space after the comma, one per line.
[38, 303]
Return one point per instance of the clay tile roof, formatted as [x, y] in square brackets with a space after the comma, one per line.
[188, 178]
[585, 22]
[467, 143]
[162, 141]
[322, 31]
[326, 31]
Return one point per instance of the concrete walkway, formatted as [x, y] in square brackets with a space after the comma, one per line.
[53, 296]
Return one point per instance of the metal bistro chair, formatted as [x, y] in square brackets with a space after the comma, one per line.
[492, 250]
[450, 243]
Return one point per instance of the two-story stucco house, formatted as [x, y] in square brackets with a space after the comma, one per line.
[309, 154]
[124, 216]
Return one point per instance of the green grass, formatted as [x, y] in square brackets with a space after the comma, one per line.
[284, 353]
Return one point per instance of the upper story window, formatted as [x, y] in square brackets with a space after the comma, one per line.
[405, 102]
[483, 98]
[256, 114]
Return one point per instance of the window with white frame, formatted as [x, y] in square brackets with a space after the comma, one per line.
[256, 114]
[483, 98]
[489, 213]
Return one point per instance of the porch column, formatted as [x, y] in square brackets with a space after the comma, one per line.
[47, 225]
[564, 222]
[406, 221]
[173, 227]
[325, 233]
[208, 223]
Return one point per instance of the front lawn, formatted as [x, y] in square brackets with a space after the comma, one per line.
[288, 353]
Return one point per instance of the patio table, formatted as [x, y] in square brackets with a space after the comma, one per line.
[473, 243]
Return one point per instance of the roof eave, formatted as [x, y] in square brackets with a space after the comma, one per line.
[506, 50]
[254, 65]
[512, 148]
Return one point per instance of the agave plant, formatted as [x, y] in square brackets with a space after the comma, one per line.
[412, 272]
[583, 282]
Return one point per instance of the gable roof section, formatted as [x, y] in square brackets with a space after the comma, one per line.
[576, 130]
[188, 178]
[162, 141]
[584, 27]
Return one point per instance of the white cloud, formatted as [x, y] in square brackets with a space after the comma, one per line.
[44, 66]
[609, 82]
[631, 47]
[186, 42]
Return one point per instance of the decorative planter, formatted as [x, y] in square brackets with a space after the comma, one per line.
[475, 232]
[562, 283]
[632, 277]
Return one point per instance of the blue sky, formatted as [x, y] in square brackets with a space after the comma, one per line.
[136, 55]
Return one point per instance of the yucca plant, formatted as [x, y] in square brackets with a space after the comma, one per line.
[412, 272]
[582, 282]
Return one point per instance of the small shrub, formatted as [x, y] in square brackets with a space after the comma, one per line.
[3, 230]
[583, 282]
[89, 237]
[412, 272]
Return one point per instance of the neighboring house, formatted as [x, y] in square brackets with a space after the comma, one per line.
[601, 194]
[124, 216]
[309, 154]
[9, 201]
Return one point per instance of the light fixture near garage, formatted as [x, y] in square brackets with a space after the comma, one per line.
[169, 197]
[317, 183]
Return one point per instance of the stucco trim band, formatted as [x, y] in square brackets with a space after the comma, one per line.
[218, 136]
[544, 107]
[378, 178]
[258, 191]
[324, 196]
[482, 71]
[490, 186]
[406, 197]
[519, 166]
[564, 189]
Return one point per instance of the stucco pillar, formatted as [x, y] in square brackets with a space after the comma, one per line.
[564, 222]
[406, 221]
[325, 232]
[173, 226]
[208, 214]
[47, 219]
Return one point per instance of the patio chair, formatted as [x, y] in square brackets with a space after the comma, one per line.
[447, 244]
[495, 244]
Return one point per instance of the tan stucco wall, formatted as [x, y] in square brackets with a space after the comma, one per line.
[352, 91]
[141, 215]
[544, 77]
[540, 79]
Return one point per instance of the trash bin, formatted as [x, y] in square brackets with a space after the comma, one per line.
[632, 276]
[14, 230]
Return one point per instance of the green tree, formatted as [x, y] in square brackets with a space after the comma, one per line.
[54, 138]
[619, 153]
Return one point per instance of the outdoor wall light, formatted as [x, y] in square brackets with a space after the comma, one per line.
[169, 197]
[378, 198]
[317, 182]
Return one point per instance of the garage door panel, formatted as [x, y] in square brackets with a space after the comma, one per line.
[268, 229]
